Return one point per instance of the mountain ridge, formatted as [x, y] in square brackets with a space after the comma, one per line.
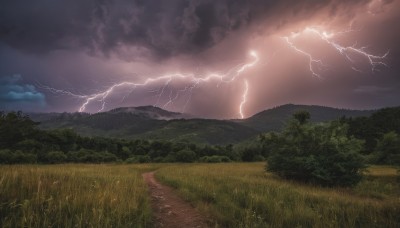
[152, 122]
[274, 119]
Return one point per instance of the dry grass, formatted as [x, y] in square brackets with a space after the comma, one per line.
[243, 195]
[73, 196]
[233, 195]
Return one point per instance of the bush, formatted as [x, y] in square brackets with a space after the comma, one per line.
[131, 160]
[138, 159]
[108, 157]
[185, 155]
[90, 156]
[214, 159]
[56, 157]
[19, 157]
[388, 149]
[320, 154]
[5, 156]
[252, 153]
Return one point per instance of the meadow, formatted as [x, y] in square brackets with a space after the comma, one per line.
[230, 194]
[244, 195]
[73, 196]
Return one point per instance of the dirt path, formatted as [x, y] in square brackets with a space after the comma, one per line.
[169, 209]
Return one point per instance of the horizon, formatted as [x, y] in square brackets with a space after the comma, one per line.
[199, 117]
[214, 60]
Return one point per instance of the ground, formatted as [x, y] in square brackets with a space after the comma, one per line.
[169, 209]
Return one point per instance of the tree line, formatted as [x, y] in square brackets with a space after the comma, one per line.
[21, 141]
[332, 153]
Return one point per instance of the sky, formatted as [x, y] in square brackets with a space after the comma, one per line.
[209, 58]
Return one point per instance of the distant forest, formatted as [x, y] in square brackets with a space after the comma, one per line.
[21, 141]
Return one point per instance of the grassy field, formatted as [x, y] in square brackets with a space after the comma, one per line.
[231, 195]
[73, 196]
[244, 195]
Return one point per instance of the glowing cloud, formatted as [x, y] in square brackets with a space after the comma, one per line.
[192, 79]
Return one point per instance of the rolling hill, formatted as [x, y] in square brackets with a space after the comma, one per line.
[274, 119]
[151, 122]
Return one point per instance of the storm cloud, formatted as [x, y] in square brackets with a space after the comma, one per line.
[85, 47]
[152, 28]
[14, 93]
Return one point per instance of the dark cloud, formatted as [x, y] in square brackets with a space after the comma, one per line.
[155, 28]
[371, 89]
[84, 47]
[14, 93]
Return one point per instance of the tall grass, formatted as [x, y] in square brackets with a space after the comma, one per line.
[244, 195]
[73, 196]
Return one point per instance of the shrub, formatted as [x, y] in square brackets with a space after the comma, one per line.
[252, 153]
[5, 156]
[214, 159]
[322, 154]
[185, 155]
[90, 156]
[131, 160]
[22, 158]
[138, 159]
[56, 157]
[388, 149]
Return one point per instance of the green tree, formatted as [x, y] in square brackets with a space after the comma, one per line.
[302, 116]
[185, 155]
[322, 154]
[15, 127]
[6, 156]
[23, 158]
[56, 157]
[388, 149]
[251, 153]
[214, 159]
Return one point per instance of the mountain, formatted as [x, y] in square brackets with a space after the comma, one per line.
[274, 119]
[202, 131]
[151, 112]
[149, 122]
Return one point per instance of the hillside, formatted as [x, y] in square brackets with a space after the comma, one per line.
[150, 122]
[202, 131]
[147, 122]
[274, 119]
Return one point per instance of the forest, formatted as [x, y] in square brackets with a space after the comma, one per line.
[377, 138]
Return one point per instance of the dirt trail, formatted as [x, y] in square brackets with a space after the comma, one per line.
[169, 209]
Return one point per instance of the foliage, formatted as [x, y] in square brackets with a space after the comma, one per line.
[138, 159]
[302, 116]
[388, 149]
[185, 155]
[32, 145]
[214, 159]
[252, 153]
[320, 154]
[16, 157]
[14, 127]
[55, 157]
[19, 133]
[371, 129]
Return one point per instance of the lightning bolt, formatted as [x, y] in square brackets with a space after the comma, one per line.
[193, 81]
[231, 75]
[244, 98]
[311, 59]
[373, 60]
